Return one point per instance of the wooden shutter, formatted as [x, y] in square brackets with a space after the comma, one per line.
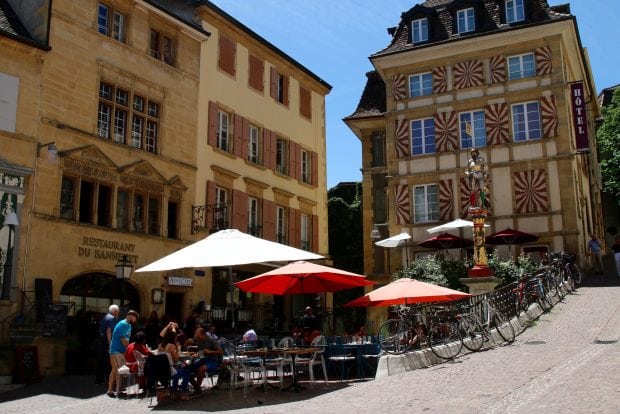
[273, 83]
[266, 148]
[314, 168]
[305, 102]
[401, 138]
[530, 191]
[245, 142]
[294, 219]
[440, 79]
[544, 64]
[446, 131]
[212, 131]
[497, 124]
[401, 197]
[497, 69]
[238, 140]
[257, 70]
[293, 149]
[269, 220]
[240, 210]
[446, 202]
[468, 74]
[549, 116]
[399, 87]
[315, 233]
[274, 149]
[285, 92]
[228, 51]
[210, 203]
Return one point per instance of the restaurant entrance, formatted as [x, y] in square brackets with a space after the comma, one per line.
[174, 306]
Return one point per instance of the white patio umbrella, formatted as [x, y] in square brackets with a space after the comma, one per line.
[400, 240]
[454, 224]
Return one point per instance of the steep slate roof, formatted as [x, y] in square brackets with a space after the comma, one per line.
[10, 24]
[372, 102]
[489, 19]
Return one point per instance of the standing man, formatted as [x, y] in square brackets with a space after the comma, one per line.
[594, 246]
[106, 327]
[118, 346]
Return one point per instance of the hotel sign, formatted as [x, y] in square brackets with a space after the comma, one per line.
[580, 125]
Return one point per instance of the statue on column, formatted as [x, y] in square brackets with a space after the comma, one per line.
[477, 173]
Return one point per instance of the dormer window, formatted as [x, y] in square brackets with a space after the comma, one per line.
[514, 11]
[465, 20]
[419, 30]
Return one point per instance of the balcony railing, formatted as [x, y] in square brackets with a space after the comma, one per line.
[256, 231]
[218, 213]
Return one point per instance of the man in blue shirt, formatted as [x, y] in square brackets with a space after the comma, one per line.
[118, 345]
[594, 245]
[106, 327]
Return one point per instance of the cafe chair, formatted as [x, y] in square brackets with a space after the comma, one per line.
[279, 363]
[371, 355]
[140, 361]
[316, 358]
[233, 363]
[339, 357]
[157, 371]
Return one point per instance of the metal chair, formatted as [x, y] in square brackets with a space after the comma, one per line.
[317, 358]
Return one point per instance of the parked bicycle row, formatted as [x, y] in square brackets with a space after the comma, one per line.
[483, 319]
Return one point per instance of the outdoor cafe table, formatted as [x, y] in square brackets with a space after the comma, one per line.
[293, 352]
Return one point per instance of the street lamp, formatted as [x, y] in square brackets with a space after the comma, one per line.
[124, 268]
[10, 220]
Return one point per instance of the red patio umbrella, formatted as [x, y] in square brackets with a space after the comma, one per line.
[407, 291]
[446, 241]
[303, 277]
[510, 236]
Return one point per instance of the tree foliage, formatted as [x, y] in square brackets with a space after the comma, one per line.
[437, 269]
[510, 270]
[608, 137]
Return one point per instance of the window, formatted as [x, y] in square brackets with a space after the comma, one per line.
[162, 47]
[153, 216]
[526, 121]
[67, 198]
[282, 155]
[253, 147]
[419, 30]
[279, 86]
[223, 122]
[173, 220]
[514, 11]
[305, 232]
[281, 91]
[137, 220]
[86, 208]
[104, 206]
[421, 84]
[425, 203]
[423, 136]
[117, 106]
[111, 22]
[281, 224]
[253, 217]
[465, 20]
[220, 210]
[378, 150]
[521, 66]
[305, 166]
[472, 127]
[122, 209]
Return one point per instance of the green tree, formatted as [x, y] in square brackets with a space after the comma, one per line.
[437, 269]
[608, 137]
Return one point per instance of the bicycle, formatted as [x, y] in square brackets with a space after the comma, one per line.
[408, 332]
[476, 332]
[530, 289]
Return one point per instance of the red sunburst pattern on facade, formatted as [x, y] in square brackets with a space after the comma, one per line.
[544, 65]
[440, 79]
[446, 131]
[530, 191]
[403, 212]
[549, 116]
[498, 69]
[464, 196]
[468, 74]
[497, 124]
[446, 203]
[399, 87]
[401, 138]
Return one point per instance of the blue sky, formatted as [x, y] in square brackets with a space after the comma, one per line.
[333, 38]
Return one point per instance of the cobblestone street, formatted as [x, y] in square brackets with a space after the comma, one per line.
[567, 361]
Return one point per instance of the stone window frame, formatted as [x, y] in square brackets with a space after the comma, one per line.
[423, 137]
[522, 74]
[526, 121]
[474, 143]
[430, 212]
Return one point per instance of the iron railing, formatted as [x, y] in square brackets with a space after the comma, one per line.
[219, 214]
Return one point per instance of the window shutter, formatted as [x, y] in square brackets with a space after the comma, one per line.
[315, 233]
[293, 227]
[226, 59]
[468, 74]
[285, 83]
[446, 131]
[314, 168]
[266, 148]
[273, 83]
[269, 220]
[440, 79]
[245, 141]
[240, 210]
[238, 135]
[403, 212]
[210, 202]
[402, 141]
[549, 116]
[257, 70]
[446, 203]
[274, 150]
[530, 191]
[305, 102]
[496, 121]
[212, 131]
[292, 159]
[399, 87]
[544, 64]
[497, 67]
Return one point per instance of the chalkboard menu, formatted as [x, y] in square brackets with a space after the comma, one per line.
[28, 363]
[55, 321]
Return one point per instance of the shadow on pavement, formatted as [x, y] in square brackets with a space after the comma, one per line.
[72, 386]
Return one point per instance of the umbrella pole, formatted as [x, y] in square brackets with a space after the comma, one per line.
[232, 300]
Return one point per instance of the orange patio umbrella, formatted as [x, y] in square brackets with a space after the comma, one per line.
[407, 291]
[303, 277]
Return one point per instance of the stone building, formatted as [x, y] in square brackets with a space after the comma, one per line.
[509, 77]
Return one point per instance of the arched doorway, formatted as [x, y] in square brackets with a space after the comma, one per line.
[95, 292]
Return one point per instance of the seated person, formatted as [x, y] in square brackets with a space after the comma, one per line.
[208, 358]
[170, 345]
[211, 332]
[140, 346]
[308, 336]
[250, 335]
[361, 334]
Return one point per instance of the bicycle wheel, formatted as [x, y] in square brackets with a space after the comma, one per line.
[396, 336]
[504, 327]
[446, 341]
[472, 334]
[575, 274]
